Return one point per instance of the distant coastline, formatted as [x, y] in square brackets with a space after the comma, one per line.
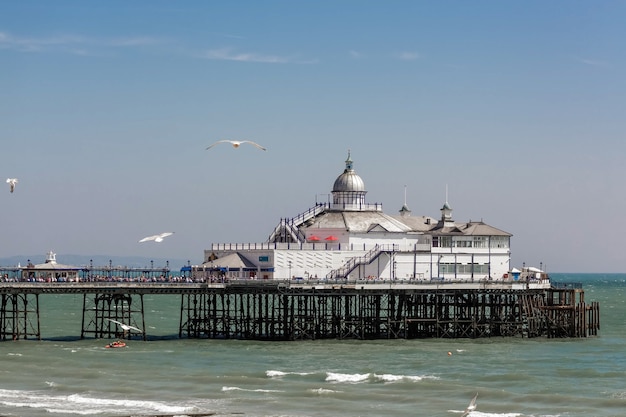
[99, 260]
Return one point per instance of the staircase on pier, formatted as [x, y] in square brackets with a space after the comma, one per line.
[353, 263]
[288, 230]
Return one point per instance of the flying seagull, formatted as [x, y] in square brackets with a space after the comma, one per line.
[471, 407]
[125, 327]
[12, 182]
[237, 143]
[157, 238]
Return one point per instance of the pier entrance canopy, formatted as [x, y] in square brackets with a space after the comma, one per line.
[50, 271]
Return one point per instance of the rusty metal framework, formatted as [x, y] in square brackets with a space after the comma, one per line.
[19, 316]
[279, 311]
[99, 309]
[297, 314]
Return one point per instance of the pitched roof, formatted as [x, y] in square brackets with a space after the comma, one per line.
[53, 266]
[359, 222]
[482, 229]
[232, 260]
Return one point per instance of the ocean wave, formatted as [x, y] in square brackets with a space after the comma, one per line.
[82, 405]
[399, 378]
[278, 374]
[249, 390]
[372, 377]
[323, 391]
[352, 378]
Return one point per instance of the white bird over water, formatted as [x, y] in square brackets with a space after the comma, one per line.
[157, 238]
[471, 407]
[237, 143]
[125, 327]
[12, 182]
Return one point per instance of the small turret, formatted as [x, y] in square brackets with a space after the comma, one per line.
[348, 189]
[51, 258]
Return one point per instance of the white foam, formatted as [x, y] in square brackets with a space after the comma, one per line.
[352, 378]
[103, 402]
[389, 377]
[79, 404]
[249, 390]
[273, 374]
[278, 374]
[323, 391]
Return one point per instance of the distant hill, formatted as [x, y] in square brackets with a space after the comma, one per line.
[98, 261]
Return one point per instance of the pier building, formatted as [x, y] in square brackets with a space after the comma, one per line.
[342, 269]
[348, 238]
[49, 271]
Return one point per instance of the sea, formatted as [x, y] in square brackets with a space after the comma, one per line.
[62, 375]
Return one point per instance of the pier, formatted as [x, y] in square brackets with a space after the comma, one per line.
[294, 310]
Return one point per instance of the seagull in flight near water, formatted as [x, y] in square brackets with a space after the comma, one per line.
[471, 407]
[237, 143]
[125, 327]
[12, 182]
[157, 238]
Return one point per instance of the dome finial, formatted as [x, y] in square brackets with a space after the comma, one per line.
[446, 210]
[349, 162]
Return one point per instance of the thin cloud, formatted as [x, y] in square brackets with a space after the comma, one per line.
[228, 54]
[408, 56]
[8, 41]
[90, 46]
[592, 62]
[130, 42]
[355, 54]
[70, 43]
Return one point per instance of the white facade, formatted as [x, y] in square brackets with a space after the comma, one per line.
[350, 239]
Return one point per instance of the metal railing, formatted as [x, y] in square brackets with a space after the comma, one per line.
[354, 262]
[291, 226]
[566, 285]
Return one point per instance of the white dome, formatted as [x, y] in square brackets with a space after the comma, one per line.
[348, 190]
[348, 181]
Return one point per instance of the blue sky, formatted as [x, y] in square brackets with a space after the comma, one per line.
[106, 109]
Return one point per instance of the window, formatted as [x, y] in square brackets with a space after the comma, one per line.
[463, 242]
[480, 241]
[499, 241]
